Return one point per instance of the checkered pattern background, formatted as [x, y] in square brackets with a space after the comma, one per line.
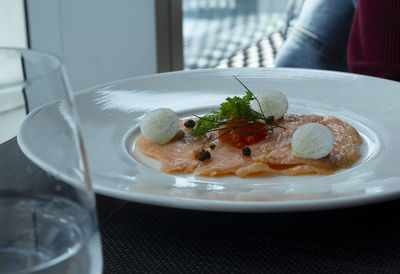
[223, 33]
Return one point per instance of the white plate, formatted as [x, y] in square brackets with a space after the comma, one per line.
[110, 115]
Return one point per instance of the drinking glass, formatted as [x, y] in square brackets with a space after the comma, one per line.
[47, 206]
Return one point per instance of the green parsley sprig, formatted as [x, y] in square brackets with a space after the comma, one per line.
[237, 116]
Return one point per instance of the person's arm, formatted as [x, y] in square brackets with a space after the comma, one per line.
[319, 38]
[374, 43]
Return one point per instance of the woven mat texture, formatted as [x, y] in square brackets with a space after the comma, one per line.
[149, 239]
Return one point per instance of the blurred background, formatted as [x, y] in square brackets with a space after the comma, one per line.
[102, 41]
[214, 31]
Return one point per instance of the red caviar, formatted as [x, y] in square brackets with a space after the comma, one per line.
[240, 133]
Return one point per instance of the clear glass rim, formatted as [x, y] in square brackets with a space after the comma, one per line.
[58, 64]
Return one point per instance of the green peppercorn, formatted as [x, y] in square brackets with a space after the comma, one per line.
[203, 155]
[246, 151]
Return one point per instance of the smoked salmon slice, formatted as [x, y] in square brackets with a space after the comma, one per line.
[272, 156]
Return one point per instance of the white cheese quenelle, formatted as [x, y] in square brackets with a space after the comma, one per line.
[272, 103]
[312, 141]
[160, 125]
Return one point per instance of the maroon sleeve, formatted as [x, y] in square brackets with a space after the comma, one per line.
[374, 43]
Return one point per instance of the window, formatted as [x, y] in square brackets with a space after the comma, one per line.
[12, 34]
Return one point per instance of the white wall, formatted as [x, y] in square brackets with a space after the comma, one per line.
[99, 40]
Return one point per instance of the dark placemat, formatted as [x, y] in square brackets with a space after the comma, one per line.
[141, 238]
